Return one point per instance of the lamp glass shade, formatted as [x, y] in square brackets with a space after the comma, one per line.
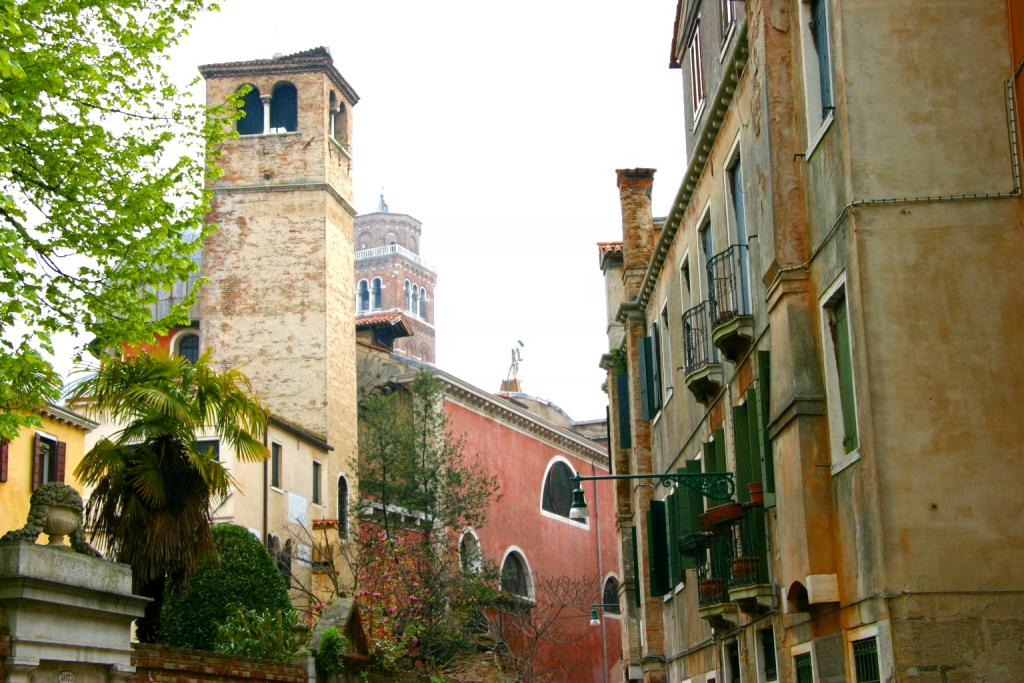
[578, 510]
[594, 620]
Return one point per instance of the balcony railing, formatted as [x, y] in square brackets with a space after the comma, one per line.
[713, 572]
[748, 548]
[698, 349]
[391, 249]
[729, 275]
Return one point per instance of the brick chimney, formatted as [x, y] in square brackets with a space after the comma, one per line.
[509, 386]
[638, 234]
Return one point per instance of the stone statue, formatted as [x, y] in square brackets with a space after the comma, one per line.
[54, 509]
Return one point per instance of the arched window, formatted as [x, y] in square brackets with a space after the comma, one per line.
[415, 299]
[377, 287]
[515, 575]
[406, 295]
[343, 506]
[251, 122]
[610, 596]
[337, 116]
[557, 494]
[284, 112]
[423, 303]
[188, 346]
[470, 554]
[363, 296]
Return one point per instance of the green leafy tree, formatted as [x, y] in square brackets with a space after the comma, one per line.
[152, 484]
[102, 170]
[240, 576]
[260, 633]
[418, 492]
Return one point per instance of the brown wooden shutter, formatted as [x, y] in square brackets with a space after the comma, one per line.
[62, 454]
[5, 447]
[37, 462]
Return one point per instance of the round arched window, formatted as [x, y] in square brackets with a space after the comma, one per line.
[610, 596]
[188, 346]
[557, 496]
[251, 122]
[515, 576]
[469, 553]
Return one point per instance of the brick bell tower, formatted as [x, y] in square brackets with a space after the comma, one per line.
[279, 303]
[391, 275]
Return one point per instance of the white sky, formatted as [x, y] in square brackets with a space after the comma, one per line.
[499, 126]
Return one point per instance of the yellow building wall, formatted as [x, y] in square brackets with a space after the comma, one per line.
[16, 491]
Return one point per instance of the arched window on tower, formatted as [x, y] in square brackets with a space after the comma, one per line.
[378, 286]
[342, 506]
[284, 112]
[415, 300]
[363, 297]
[337, 120]
[470, 554]
[251, 122]
[423, 303]
[406, 295]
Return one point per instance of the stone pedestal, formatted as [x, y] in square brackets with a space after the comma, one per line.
[69, 615]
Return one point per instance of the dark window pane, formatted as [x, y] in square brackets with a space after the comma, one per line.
[188, 347]
[210, 447]
[343, 507]
[284, 107]
[771, 670]
[316, 482]
[610, 596]
[802, 664]
[251, 122]
[513, 576]
[557, 495]
[275, 465]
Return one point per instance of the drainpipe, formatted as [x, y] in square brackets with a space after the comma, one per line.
[266, 445]
[600, 577]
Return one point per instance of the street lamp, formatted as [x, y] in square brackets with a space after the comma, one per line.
[718, 486]
[595, 620]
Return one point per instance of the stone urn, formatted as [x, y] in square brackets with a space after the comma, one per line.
[61, 520]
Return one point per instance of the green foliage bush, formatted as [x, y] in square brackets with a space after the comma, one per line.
[264, 634]
[332, 647]
[241, 576]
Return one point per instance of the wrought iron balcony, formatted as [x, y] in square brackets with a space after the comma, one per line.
[749, 585]
[732, 325]
[703, 373]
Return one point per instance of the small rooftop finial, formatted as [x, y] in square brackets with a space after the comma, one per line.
[383, 208]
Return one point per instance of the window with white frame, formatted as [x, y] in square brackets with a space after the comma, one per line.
[803, 663]
[727, 16]
[734, 184]
[363, 296]
[515, 575]
[275, 465]
[378, 293]
[815, 35]
[316, 482]
[696, 72]
[470, 554]
[423, 303]
[865, 660]
[839, 380]
[406, 295]
[556, 495]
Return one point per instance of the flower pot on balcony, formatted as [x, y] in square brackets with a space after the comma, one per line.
[722, 514]
[743, 568]
[711, 590]
[756, 489]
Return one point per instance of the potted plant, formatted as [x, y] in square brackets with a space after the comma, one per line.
[711, 590]
[721, 514]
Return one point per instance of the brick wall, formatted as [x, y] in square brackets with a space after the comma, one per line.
[160, 664]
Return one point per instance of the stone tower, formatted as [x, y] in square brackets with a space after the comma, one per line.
[390, 275]
[279, 303]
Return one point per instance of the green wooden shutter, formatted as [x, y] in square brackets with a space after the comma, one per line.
[622, 409]
[721, 461]
[657, 549]
[744, 463]
[636, 568]
[760, 424]
[655, 363]
[643, 357]
[844, 363]
[675, 567]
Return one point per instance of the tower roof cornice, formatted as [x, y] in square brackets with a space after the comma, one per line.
[317, 59]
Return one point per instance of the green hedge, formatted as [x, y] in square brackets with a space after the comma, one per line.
[241, 576]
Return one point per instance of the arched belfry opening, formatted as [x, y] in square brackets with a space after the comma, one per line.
[251, 122]
[284, 107]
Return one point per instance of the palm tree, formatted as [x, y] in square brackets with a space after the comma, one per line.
[152, 481]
